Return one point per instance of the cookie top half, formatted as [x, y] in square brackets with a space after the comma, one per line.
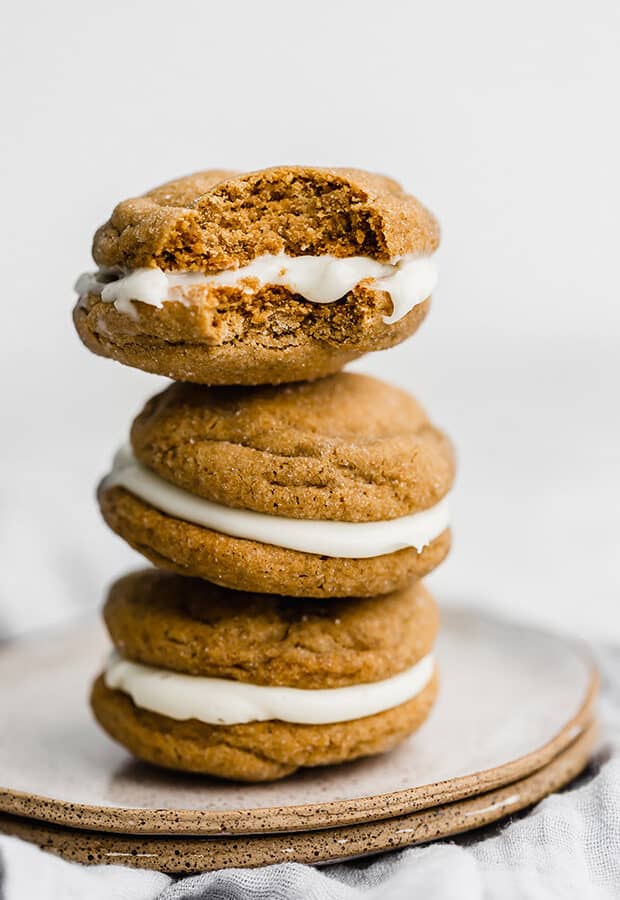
[218, 220]
[189, 625]
[348, 447]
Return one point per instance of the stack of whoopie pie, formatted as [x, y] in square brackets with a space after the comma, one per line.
[290, 509]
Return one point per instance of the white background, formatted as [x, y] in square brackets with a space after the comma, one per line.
[503, 118]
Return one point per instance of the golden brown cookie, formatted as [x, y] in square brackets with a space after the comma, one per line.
[246, 565]
[230, 339]
[189, 625]
[348, 448]
[217, 221]
[256, 751]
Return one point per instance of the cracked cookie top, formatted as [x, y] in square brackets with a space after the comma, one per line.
[189, 625]
[218, 220]
[348, 447]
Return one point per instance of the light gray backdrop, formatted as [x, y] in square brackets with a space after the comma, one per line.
[503, 118]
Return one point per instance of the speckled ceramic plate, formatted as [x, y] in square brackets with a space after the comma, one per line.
[192, 854]
[512, 698]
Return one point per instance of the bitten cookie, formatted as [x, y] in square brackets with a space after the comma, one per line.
[334, 488]
[251, 688]
[279, 275]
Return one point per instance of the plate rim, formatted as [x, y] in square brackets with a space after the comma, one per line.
[322, 815]
[222, 851]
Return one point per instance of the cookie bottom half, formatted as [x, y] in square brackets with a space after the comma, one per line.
[194, 344]
[255, 751]
[246, 565]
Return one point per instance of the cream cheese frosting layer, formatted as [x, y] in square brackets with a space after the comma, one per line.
[220, 701]
[352, 540]
[319, 279]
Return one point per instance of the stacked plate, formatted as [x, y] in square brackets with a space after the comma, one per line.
[514, 722]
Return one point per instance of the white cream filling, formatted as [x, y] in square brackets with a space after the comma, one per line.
[319, 279]
[220, 701]
[353, 540]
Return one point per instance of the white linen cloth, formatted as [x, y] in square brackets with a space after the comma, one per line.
[568, 846]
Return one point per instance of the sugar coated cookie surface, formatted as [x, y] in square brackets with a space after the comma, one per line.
[189, 625]
[349, 447]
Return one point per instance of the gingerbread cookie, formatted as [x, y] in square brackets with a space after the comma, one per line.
[251, 688]
[280, 275]
[192, 626]
[332, 488]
